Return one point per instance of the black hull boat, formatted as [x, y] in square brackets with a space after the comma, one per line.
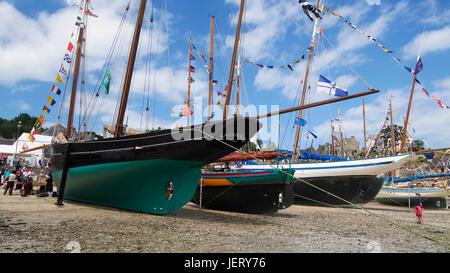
[246, 191]
[354, 189]
[156, 172]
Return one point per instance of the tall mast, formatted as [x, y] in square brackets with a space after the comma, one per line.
[76, 74]
[392, 128]
[238, 80]
[233, 60]
[409, 107]
[364, 124]
[305, 83]
[189, 81]
[130, 67]
[407, 114]
[340, 133]
[332, 135]
[211, 62]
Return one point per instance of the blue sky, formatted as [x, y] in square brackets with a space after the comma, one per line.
[35, 34]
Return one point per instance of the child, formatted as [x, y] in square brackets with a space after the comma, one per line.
[418, 207]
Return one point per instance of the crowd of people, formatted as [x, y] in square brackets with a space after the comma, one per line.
[21, 179]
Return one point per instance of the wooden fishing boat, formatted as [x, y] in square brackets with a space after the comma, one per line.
[356, 181]
[154, 172]
[431, 197]
[262, 191]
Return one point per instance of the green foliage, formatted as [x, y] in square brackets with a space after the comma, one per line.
[386, 133]
[418, 145]
[8, 128]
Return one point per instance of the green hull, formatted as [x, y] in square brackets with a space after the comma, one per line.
[138, 185]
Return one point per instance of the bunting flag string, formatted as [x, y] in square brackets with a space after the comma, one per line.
[290, 66]
[59, 79]
[205, 65]
[419, 64]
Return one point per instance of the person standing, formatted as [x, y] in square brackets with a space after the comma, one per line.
[418, 208]
[28, 187]
[11, 178]
[49, 186]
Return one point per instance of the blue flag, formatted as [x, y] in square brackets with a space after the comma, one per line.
[314, 135]
[300, 121]
[419, 66]
[325, 86]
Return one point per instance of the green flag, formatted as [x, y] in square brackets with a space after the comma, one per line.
[107, 81]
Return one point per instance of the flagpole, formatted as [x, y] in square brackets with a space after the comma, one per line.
[405, 126]
[305, 85]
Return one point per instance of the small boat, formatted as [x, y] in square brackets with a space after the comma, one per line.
[261, 191]
[431, 197]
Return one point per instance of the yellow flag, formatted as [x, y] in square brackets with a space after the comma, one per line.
[59, 79]
[220, 102]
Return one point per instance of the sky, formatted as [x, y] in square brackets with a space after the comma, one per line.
[35, 34]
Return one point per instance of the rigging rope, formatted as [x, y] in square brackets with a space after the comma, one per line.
[418, 233]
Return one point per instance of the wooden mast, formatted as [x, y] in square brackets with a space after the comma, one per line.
[340, 133]
[76, 74]
[233, 60]
[332, 136]
[392, 128]
[305, 84]
[130, 67]
[364, 124]
[315, 104]
[238, 81]
[405, 126]
[189, 82]
[211, 63]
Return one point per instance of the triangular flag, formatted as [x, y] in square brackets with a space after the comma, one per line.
[59, 79]
[419, 66]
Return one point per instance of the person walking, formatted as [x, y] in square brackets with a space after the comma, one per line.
[418, 208]
[11, 178]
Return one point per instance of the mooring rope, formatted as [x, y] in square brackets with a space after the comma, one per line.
[418, 233]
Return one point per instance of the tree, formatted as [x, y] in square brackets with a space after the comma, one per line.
[418, 145]
[8, 128]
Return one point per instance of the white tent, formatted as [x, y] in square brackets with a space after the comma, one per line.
[23, 144]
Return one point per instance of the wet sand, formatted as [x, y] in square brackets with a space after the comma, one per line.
[37, 225]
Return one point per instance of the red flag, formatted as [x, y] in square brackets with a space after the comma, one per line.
[70, 47]
[88, 12]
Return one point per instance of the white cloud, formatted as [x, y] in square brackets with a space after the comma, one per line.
[36, 49]
[427, 42]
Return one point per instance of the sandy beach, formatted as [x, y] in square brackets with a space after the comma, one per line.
[37, 225]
